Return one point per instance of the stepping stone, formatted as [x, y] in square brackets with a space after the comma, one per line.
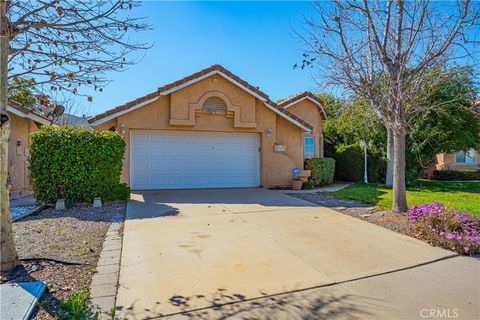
[19, 299]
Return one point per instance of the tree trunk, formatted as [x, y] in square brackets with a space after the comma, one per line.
[399, 189]
[389, 174]
[8, 254]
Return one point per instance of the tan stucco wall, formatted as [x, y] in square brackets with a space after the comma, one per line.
[311, 113]
[18, 170]
[250, 116]
[446, 161]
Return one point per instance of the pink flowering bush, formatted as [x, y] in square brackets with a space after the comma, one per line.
[454, 230]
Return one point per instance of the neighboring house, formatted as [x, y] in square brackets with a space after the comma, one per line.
[213, 130]
[23, 122]
[458, 161]
[73, 121]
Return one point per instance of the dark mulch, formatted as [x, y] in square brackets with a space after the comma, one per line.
[394, 221]
[62, 249]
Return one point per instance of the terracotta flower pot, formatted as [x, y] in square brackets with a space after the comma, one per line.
[297, 184]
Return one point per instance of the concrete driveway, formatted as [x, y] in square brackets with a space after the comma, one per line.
[256, 253]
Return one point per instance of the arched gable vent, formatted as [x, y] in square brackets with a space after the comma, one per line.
[214, 105]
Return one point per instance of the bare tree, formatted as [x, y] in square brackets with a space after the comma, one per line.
[58, 45]
[385, 51]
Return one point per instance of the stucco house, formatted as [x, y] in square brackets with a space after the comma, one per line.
[23, 122]
[459, 160]
[214, 130]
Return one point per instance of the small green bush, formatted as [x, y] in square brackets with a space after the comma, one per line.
[322, 170]
[85, 163]
[350, 164]
[75, 307]
[456, 175]
[308, 185]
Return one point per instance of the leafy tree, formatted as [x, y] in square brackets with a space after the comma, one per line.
[22, 94]
[57, 45]
[349, 122]
[362, 47]
[452, 125]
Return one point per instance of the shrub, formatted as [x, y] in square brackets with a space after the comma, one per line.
[350, 162]
[456, 175]
[75, 307]
[80, 162]
[322, 170]
[452, 230]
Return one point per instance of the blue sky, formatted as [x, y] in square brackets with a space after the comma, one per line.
[254, 40]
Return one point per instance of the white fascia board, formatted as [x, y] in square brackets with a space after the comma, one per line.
[29, 115]
[37, 118]
[283, 115]
[118, 114]
[16, 112]
[211, 73]
[307, 98]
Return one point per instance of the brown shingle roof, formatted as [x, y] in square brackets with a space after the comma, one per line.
[299, 96]
[215, 67]
[18, 107]
[123, 107]
[196, 75]
[25, 110]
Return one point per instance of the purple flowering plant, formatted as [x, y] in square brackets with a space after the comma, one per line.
[451, 229]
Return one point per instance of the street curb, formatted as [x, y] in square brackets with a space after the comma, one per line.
[103, 289]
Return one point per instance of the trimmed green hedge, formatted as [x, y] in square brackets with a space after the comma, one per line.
[86, 163]
[456, 175]
[350, 164]
[322, 169]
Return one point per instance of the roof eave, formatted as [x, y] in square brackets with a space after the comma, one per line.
[29, 115]
[114, 115]
[307, 97]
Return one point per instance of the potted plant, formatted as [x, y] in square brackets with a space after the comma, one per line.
[297, 183]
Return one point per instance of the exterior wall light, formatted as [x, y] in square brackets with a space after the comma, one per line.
[123, 128]
[269, 132]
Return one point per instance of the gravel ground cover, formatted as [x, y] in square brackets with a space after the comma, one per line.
[387, 219]
[61, 248]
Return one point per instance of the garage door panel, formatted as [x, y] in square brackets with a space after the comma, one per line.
[141, 165]
[169, 160]
[140, 181]
[140, 151]
[158, 167]
[140, 138]
[157, 182]
[157, 139]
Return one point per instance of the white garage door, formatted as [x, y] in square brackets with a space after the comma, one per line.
[182, 160]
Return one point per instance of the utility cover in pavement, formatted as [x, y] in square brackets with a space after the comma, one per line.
[18, 299]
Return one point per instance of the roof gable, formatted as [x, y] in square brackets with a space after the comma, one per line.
[189, 80]
[306, 95]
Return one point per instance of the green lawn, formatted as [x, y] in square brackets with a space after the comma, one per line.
[456, 195]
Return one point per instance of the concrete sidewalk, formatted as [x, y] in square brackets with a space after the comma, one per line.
[230, 245]
[330, 188]
[447, 289]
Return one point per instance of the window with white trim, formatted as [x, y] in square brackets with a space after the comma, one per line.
[214, 105]
[308, 147]
[467, 157]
